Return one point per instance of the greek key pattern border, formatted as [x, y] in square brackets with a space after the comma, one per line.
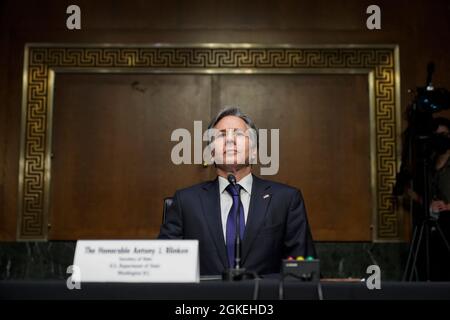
[41, 59]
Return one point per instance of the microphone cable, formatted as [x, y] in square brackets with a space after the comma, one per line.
[256, 288]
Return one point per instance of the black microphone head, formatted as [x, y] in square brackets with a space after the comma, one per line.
[231, 179]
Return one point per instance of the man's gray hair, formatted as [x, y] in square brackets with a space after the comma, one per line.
[235, 111]
[232, 111]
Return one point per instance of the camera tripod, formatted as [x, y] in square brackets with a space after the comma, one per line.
[422, 232]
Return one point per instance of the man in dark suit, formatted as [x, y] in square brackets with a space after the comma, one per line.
[272, 216]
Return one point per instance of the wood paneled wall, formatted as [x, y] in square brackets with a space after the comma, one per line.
[111, 163]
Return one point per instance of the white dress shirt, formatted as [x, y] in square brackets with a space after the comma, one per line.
[226, 201]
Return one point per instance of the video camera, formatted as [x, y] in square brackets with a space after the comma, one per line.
[420, 139]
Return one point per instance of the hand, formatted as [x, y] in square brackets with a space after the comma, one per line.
[448, 207]
[439, 205]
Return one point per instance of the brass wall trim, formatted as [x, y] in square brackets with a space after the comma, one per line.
[42, 61]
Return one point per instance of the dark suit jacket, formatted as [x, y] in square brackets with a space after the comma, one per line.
[277, 226]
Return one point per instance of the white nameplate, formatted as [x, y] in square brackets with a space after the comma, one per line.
[137, 260]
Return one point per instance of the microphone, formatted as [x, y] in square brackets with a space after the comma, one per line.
[237, 273]
[232, 179]
[237, 239]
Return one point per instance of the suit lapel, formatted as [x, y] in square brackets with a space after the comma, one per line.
[211, 210]
[259, 202]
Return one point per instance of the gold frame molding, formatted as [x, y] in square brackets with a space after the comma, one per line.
[41, 61]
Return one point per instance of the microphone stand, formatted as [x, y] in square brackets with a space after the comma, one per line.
[237, 273]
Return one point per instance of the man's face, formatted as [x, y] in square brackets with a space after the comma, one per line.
[443, 130]
[231, 143]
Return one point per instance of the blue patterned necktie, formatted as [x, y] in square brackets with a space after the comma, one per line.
[236, 208]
